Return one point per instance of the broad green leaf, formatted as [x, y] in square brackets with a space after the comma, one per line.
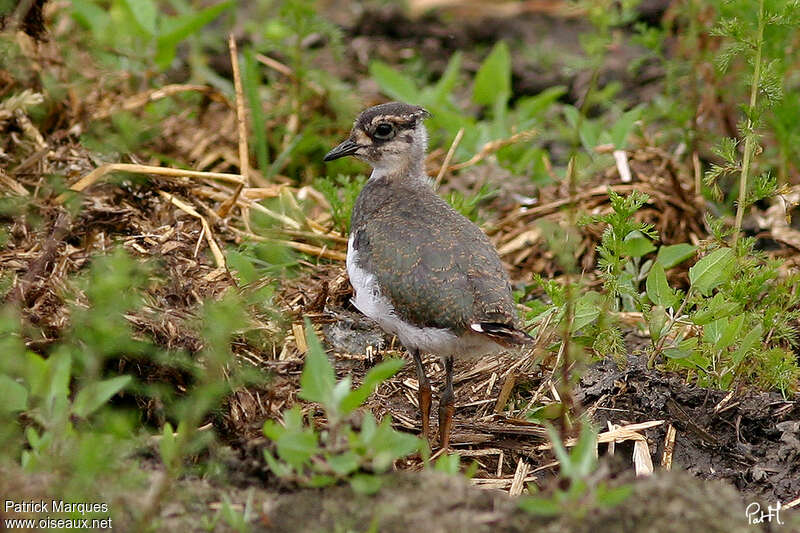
[59, 370]
[560, 451]
[280, 469]
[318, 379]
[623, 127]
[540, 506]
[449, 464]
[37, 374]
[321, 480]
[584, 454]
[748, 343]
[683, 349]
[715, 308]
[587, 310]
[91, 16]
[658, 289]
[386, 445]
[340, 391]
[449, 79]
[297, 448]
[376, 375]
[636, 244]
[713, 331]
[658, 319]
[590, 132]
[15, 395]
[393, 83]
[176, 29]
[493, 77]
[531, 107]
[144, 12]
[272, 430]
[167, 446]
[366, 483]
[611, 497]
[669, 256]
[96, 394]
[731, 332]
[344, 463]
[712, 270]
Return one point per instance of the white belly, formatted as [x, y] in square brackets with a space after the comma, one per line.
[370, 301]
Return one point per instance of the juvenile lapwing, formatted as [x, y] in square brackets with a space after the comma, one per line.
[421, 270]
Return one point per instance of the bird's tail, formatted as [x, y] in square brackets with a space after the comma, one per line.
[504, 334]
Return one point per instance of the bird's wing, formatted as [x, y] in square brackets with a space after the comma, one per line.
[436, 270]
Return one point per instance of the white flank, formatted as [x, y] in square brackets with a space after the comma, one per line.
[370, 301]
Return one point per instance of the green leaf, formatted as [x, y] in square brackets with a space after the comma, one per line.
[366, 483]
[318, 379]
[712, 270]
[296, 448]
[669, 256]
[623, 127]
[540, 506]
[393, 83]
[493, 77]
[730, 333]
[748, 343]
[584, 454]
[376, 375]
[449, 464]
[636, 244]
[168, 445]
[321, 480]
[586, 311]
[611, 497]
[59, 368]
[91, 16]
[144, 12]
[15, 395]
[713, 331]
[682, 350]
[344, 463]
[449, 79]
[175, 30]
[96, 394]
[713, 309]
[658, 289]
[280, 469]
[272, 430]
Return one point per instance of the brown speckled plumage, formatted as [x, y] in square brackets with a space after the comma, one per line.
[436, 266]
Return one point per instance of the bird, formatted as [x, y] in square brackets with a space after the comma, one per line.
[421, 270]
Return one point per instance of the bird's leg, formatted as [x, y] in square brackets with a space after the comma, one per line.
[423, 395]
[447, 405]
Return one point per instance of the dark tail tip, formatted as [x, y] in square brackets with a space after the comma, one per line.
[505, 334]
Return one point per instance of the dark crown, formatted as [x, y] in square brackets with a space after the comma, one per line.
[400, 113]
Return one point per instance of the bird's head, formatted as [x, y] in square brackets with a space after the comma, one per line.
[387, 136]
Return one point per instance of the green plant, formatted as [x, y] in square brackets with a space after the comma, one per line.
[583, 489]
[131, 27]
[341, 193]
[745, 39]
[340, 451]
[467, 204]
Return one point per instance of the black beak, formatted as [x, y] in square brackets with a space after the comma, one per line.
[348, 147]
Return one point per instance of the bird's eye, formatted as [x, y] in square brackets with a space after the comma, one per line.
[384, 131]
